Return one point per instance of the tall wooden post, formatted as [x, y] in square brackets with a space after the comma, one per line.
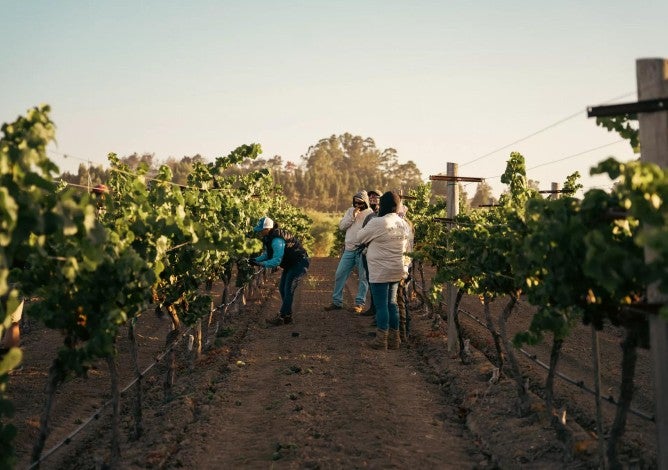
[452, 201]
[555, 191]
[652, 77]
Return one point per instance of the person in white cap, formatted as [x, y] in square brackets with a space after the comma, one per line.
[281, 248]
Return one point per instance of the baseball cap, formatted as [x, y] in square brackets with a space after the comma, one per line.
[264, 222]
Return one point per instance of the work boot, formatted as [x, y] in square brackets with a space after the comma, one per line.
[279, 320]
[357, 308]
[333, 306]
[380, 341]
[393, 340]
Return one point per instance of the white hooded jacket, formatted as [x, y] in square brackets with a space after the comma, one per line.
[352, 221]
[387, 237]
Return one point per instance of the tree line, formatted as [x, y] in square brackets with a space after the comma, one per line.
[325, 179]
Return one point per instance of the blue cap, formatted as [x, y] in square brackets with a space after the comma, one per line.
[264, 222]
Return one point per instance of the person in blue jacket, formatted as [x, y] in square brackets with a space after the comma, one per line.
[283, 249]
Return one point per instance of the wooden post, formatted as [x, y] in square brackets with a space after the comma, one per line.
[555, 191]
[452, 201]
[596, 359]
[652, 77]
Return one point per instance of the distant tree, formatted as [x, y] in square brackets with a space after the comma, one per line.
[337, 167]
[87, 175]
[438, 187]
[182, 168]
[464, 204]
[135, 159]
[408, 176]
[483, 195]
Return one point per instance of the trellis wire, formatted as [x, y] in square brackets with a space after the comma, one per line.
[160, 357]
[579, 383]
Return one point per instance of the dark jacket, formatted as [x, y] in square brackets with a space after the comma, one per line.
[294, 251]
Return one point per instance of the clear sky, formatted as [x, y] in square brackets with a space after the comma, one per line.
[439, 81]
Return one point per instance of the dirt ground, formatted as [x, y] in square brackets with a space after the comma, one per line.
[313, 395]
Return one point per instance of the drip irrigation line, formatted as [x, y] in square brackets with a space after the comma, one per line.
[97, 413]
[224, 306]
[578, 383]
[66, 440]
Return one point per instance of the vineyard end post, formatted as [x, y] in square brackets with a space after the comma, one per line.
[652, 77]
[452, 201]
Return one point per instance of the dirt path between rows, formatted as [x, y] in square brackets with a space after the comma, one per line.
[307, 395]
[311, 395]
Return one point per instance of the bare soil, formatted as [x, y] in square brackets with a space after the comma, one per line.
[313, 395]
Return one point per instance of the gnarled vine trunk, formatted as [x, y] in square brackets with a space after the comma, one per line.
[522, 395]
[492, 329]
[55, 378]
[629, 359]
[172, 336]
[555, 352]
[462, 354]
[115, 449]
[138, 399]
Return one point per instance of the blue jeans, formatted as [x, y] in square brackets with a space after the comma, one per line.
[348, 261]
[288, 284]
[385, 300]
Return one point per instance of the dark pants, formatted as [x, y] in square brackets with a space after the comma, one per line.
[288, 284]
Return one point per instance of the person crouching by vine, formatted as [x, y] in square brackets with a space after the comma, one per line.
[387, 239]
[281, 248]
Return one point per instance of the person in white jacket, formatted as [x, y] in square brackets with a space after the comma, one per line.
[387, 238]
[351, 223]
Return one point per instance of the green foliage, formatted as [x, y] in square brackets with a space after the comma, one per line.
[421, 212]
[622, 125]
[97, 260]
[642, 191]
[323, 232]
[552, 253]
[26, 217]
[571, 185]
[573, 259]
[483, 195]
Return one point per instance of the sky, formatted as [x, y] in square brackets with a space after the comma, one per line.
[439, 81]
